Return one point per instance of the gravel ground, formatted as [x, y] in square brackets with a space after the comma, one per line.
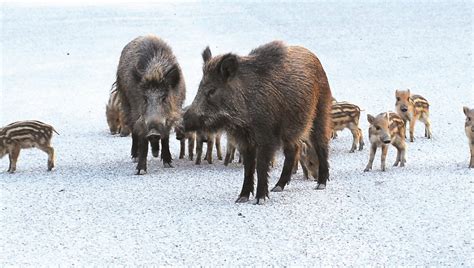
[58, 63]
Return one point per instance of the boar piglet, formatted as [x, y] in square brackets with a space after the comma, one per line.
[386, 128]
[210, 138]
[152, 90]
[23, 135]
[114, 114]
[469, 129]
[412, 108]
[264, 101]
[346, 115]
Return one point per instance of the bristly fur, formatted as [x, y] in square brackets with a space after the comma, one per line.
[266, 100]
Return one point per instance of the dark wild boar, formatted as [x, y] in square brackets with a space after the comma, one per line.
[266, 100]
[152, 91]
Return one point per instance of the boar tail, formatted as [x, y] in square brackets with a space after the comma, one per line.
[55, 131]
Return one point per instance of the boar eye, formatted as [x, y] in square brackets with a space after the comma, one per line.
[377, 127]
[398, 98]
[211, 92]
[468, 119]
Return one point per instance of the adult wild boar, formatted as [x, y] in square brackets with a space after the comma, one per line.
[152, 89]
[268, 99]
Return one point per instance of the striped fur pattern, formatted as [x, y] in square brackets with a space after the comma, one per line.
[23, 135]
[469, 129]
[346, 115]
[413, 108]
[210, 138]
[386, 128]
[115, 115]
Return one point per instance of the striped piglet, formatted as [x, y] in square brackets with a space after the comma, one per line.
[23, 135]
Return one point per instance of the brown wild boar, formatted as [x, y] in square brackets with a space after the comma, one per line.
[346, 115]
[152, 90]
[210, 138]
[266, 100]
[23, 135]
[469, 128]
[412, 108]
[384, 129]
[115, 116]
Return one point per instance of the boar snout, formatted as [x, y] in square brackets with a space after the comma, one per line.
[153, 134]
[404, 108]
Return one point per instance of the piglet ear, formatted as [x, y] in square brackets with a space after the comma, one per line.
[172, 77]
[370, 118]
[466, 110]
[228, 66]
[206, 54]
[387, 114]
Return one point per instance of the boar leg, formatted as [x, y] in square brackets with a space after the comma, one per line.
[355, 138]
[412, 128]
[228, 156]
[471, 163]
[383, 156]
[182, 145]
[14, 153]
[264, 157]
[210, 146]
[425, 119]
[134, 150]
[249, 171]
[289, 151]
[50, 151]
[218, 146]
[361, 139]
[142, 148]
[373, 149]
[199, 150]
[191, 148]
[155, 147]
[320, 142]
[165, 152]
[305, 169]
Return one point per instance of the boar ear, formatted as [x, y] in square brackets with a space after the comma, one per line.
[370, 118]
[172, 76]
[408, 90]
[228, 66]
[206, 54]
[466, 110]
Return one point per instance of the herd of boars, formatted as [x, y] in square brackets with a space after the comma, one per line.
[276, 97]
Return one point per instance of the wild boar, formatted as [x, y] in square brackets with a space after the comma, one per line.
[412, 108]
[346, 115]
[210, 138]
[264, 101]
[23, 135]
[152, 90]
[384, 129]
[469, 129]
[115, 115]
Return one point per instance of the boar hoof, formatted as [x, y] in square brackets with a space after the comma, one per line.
[277, 189]
[259, 201]
[242, 199]
[320, 186]
[167, 165]
[141, 172]
[155, 153]
[367, 169]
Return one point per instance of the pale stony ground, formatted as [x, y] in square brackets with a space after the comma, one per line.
[92, 210]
